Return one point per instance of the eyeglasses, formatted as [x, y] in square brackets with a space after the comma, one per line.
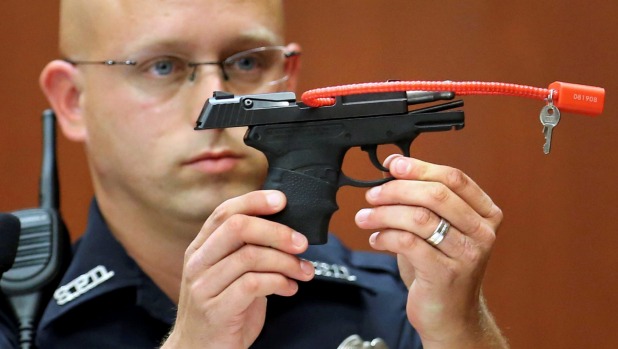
[243, 73]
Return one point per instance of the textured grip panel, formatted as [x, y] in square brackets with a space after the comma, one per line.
[311, 203]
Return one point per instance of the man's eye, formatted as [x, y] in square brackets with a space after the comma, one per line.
[246, 63]
[163, 67]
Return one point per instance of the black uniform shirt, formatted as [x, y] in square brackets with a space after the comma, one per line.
[106, 301]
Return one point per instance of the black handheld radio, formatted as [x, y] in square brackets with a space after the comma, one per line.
[44, 246]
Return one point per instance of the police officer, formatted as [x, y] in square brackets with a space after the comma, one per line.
[175, 253]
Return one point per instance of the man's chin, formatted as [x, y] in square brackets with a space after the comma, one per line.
[201, 203]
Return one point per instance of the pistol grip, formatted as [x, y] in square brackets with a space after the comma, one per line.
[311, 203]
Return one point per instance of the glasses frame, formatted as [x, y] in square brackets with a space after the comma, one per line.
[194, 65]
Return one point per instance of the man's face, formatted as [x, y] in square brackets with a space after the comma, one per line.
[140, 140]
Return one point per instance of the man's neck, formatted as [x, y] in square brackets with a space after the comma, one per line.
[157, 245]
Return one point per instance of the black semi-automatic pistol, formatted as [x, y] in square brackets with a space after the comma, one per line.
[305, 146]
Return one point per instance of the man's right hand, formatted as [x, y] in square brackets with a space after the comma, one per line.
[236, 260]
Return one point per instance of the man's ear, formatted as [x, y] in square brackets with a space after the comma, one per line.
[58, 82]
[292, 67]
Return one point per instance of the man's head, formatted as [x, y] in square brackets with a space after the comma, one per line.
[136, 120]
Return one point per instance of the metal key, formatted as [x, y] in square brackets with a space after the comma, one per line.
[550, 116]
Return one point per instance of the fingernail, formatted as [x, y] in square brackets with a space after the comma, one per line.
[390, 158]
[363, 214]
[306, 267]
[373, 237]
[401, 166]
[374, 192]
[273, 199]
[298, 239]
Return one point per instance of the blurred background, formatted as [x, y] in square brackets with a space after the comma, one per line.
[552, 280]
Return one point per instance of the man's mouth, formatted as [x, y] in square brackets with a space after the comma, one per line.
[214, 162]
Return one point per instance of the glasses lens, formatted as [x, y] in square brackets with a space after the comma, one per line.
[248, 71]
[159, 76]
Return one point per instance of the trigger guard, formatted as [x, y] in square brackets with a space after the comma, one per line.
[372, 150]
[345, 180]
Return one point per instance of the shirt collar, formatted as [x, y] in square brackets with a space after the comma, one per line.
[99, 266]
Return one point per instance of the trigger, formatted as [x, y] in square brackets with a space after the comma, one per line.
[372, 150]
[404, 146]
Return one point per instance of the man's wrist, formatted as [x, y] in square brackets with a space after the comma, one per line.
[483, 334]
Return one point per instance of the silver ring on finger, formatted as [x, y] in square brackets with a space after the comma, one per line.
[440, 232]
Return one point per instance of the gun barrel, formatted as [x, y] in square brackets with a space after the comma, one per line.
[281, 107]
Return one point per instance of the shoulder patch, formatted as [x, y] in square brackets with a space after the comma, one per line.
[82, 284]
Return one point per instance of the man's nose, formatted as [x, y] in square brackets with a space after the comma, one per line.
[206, 83]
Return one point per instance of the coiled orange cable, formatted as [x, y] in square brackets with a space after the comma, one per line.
[569, 97]
[325, 96]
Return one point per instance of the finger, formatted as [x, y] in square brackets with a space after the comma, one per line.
[254, 285]
[433, 196]
[240, 230]
[251, 286]
[251, 258]
[417, 220]
[430, 265]
[457, 181]
[255, 203]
